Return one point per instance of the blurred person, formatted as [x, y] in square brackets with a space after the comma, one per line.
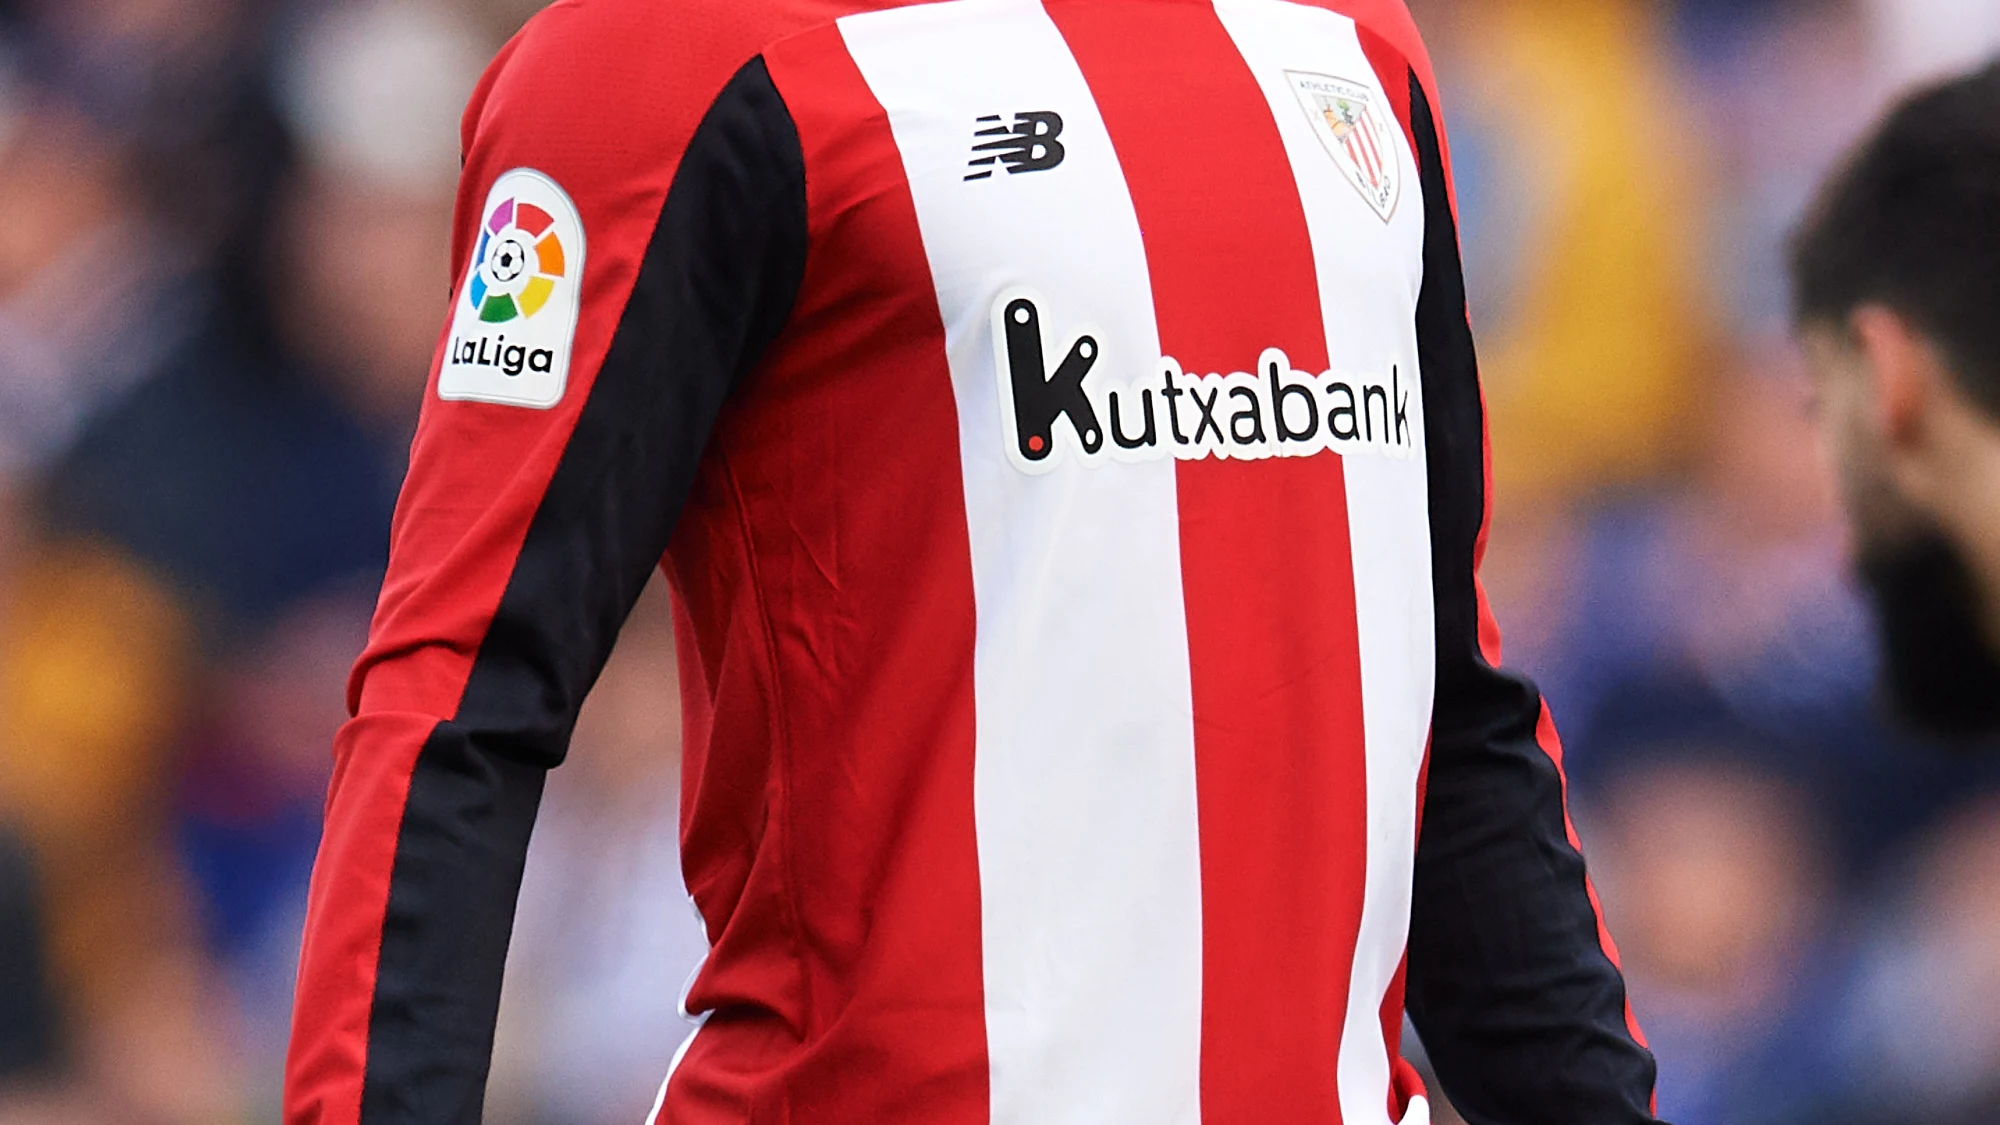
[94, 294]
[261, 486]
[1923, 1036]
[1714, 863]
[1896, 272]
[184, 86]
[137, 46]
[1732, 576]
[172, 658]
[185, 82]
[1781, 94]
[503, 18]
[249, 778]
[1729, 572]
[373, 88]
[38, 1084]
[92, 673]
[1711, 874]
[800, 307]
[605, 939]
[255, 478]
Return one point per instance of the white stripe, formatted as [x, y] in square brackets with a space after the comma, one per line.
[681, 1006]
[680, 1052]
[660, 1099]
[1369, 275]
[1084, 787]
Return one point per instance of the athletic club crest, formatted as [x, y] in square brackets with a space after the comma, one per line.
[1356, 133]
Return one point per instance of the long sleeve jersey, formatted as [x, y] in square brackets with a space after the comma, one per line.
[1060, 425]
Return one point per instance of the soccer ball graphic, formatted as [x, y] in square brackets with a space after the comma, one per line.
[518, 265]
[508, 260]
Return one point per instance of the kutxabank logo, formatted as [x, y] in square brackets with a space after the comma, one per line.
[1273, 411]
[513, 328]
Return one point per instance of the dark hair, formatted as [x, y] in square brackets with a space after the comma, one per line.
[1913, 221]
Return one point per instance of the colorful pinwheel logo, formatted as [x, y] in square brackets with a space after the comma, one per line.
[520, 260]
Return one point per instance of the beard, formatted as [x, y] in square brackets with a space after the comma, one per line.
[1940, 670]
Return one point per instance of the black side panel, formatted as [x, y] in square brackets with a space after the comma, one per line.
[1520, 1009]
[716, 285]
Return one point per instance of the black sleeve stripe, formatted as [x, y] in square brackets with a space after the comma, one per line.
[715, 286]
[1520, 1008]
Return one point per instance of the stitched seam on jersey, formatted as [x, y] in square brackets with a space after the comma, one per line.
[782, 732]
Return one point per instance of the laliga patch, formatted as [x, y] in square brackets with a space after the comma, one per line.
[1356, 133]
[514, 323]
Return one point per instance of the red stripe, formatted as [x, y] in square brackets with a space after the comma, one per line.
[1551, 744]
[1358, 136]
[843, 884]
[1266, 564]
[1404, 1081]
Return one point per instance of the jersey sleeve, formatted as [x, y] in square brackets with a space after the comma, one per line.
[1513, 981]
[556, 446]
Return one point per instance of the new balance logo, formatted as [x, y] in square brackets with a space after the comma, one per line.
[1274, 411]
[1028, 145]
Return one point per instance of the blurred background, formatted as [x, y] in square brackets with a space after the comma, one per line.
[223, 238]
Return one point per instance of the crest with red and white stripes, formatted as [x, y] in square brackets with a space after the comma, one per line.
[1344, 115]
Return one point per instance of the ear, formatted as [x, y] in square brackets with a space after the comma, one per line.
[1916, 404]
[1903, 369]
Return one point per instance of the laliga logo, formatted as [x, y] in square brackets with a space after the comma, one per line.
[514, 328]
[514, 273]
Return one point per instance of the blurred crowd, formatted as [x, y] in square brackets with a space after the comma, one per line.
[222, 272]
[223, 238]
[1806, 900]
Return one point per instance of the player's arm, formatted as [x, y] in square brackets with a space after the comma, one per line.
[1513, 981]
[525, 532]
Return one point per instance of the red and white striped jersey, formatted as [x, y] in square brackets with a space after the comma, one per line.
[1060, 425]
